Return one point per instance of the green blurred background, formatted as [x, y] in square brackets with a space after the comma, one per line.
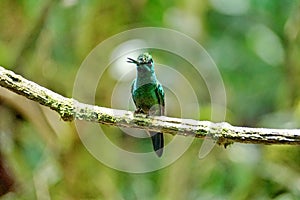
[256, 46]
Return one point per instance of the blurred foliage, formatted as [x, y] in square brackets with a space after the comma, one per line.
[256, 46]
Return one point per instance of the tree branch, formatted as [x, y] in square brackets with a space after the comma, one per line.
[69, 109]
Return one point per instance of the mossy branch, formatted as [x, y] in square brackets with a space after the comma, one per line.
[69, 109]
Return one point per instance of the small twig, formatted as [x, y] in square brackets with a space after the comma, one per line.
[70, 109]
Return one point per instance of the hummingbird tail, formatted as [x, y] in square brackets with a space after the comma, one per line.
[158, 142]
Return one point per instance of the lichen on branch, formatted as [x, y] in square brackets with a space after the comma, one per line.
[70, 109]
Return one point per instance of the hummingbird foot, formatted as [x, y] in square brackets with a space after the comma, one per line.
[139, 111]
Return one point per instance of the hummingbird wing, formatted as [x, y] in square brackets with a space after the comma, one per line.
[159, 91]
[158, 138]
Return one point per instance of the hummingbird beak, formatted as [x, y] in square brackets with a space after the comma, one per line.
[130, 60]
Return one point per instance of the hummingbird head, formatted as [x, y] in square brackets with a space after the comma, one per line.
[144, 62]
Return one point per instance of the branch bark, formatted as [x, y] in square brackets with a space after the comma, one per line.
[70, 109]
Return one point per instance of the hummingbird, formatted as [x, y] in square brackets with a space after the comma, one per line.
[148, 95]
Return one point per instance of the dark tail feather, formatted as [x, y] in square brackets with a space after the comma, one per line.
[158, 142]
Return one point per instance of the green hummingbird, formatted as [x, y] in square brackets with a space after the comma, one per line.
[148, 95]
